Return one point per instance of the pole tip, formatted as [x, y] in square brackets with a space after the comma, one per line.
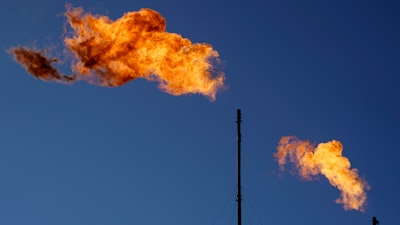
[239, 115]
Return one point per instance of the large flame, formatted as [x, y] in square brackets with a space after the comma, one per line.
[325, 159]
[111, 53]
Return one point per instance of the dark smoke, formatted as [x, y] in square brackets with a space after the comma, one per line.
[39, 65]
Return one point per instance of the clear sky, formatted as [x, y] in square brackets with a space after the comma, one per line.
[321, 70]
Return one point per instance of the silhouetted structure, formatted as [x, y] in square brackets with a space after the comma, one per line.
[239, 194]
[374, 221]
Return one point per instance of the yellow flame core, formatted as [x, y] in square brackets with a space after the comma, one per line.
[136, 45]
[325, 159]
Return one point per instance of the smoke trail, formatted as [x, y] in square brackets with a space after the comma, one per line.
[39, 65]
[325, 159]
[112, 53]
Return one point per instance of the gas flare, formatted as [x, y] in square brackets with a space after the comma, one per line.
[111, 53]
[325, 159]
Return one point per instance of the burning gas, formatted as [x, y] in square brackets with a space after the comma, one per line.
[325, 159]
[111, 53]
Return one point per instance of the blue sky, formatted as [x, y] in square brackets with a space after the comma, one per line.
[321, 70]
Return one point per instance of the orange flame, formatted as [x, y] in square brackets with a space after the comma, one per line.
[325, 159]
[111, 53]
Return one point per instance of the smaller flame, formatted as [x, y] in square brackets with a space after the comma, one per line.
[325, 159]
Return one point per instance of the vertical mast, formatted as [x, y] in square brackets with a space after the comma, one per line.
[239, 194]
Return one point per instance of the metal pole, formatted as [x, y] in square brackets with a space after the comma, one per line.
[239, 194]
